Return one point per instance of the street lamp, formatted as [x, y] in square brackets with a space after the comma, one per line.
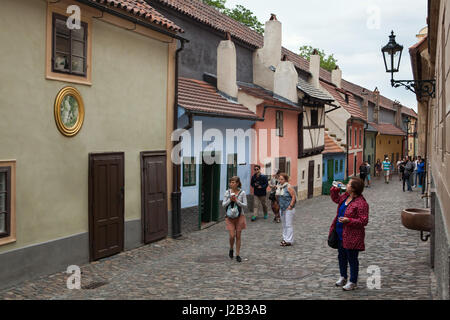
[392, 55]
[407, 123]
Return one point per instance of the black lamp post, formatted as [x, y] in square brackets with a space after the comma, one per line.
[392, 55]
[407, 123]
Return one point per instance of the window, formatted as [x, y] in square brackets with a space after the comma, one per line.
[318, 171]
[336, 166]
[372, 139]
[268, 169]
[231, 167]
[189, 172]
[360, 137]
[303, 174]
[356, 138]
[351, 138]
[341, 166]
[281, 163]
[314, 118]
[7, 202]
[288, 168]
[279, 123]
[69, 49]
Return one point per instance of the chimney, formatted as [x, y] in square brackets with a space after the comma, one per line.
[336, 77]
[286, 81]
[398, 114]
[376, 111]
[314, 68]
[365, 105]
[226, 67]
[268, 56]
[272, 42]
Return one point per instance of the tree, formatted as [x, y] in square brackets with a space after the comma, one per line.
[328, 62]
[239, 13]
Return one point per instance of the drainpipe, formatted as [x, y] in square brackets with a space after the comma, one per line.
[176, 168]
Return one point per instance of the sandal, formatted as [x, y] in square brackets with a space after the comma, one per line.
[283, 243]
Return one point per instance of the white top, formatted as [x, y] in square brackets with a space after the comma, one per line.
[241, 199]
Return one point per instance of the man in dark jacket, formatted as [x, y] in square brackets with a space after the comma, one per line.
[363, 171]
[259, 183]
[407, 171]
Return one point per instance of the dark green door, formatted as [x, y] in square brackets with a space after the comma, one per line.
[330, 170]
[209, 192]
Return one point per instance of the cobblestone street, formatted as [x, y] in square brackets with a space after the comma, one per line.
[198, 266]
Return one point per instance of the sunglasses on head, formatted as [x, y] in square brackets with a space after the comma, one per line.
[256, 169]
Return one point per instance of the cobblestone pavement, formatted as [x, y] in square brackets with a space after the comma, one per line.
[198, 266]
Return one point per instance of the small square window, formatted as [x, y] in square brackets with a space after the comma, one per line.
[189, 172]
[7, 207]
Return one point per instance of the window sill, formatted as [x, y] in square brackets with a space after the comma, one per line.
[4, 241]
[68, 78]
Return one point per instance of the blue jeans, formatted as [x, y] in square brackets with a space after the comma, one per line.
[346, 257]
[408, 182]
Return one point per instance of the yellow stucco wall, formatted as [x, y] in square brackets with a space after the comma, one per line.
[388, 145]
[125, 110]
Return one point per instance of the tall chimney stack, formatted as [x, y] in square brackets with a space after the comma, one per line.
[314, 69]
[268, 56]
[336, 77]
[376, 111]
[272, 41]
[286, 81]
[226, 67]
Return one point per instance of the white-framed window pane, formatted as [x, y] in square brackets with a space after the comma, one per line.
[2, 222]
[2, 181]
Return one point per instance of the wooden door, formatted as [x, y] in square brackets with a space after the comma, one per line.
[311, 179]
[106, 204]
[154, 196]
[206, 187]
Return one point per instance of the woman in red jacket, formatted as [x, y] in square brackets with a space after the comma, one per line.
[352, 216]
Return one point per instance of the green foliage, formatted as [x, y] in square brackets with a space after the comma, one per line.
[327, 62]
[239, 13]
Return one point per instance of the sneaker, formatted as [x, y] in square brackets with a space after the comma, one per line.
[231, 253]
[341, 282]
[238, 259]
[253, 218]
[349, 286]
[266, 216]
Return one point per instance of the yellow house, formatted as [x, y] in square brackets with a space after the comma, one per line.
[87, 99]
[389, 142]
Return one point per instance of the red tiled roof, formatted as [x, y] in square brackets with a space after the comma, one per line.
[206, 14]
[141, 9]
[352, 106]
[331, 146]
[267, 96]
[202, 98]
[388, 129]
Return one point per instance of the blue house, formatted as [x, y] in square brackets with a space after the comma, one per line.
[216, 146]
[333, 163]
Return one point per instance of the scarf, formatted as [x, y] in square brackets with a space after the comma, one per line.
[281, 189]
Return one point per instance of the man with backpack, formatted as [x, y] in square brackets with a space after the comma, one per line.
[363, 171]
[259, 183]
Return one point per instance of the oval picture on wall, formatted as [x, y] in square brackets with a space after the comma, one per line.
[69, 111]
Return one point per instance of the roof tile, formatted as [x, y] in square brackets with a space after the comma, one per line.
[141, 9]
[201, 97]
[388, 129]
[331, 146]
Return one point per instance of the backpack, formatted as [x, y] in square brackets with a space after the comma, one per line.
[234, 211]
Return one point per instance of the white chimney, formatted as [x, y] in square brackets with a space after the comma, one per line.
[336, 77]
[272, 42]
[268, 56]
[286, 81]
[226, 67]
[314, 69]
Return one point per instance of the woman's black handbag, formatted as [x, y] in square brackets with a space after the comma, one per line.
[333, 239]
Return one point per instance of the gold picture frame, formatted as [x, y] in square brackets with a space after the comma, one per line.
[69, 111]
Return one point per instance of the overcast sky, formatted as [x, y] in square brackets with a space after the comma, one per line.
[354, 31]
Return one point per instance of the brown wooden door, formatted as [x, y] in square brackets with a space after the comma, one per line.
[106, 204]
[311, 179]
[154, 196]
